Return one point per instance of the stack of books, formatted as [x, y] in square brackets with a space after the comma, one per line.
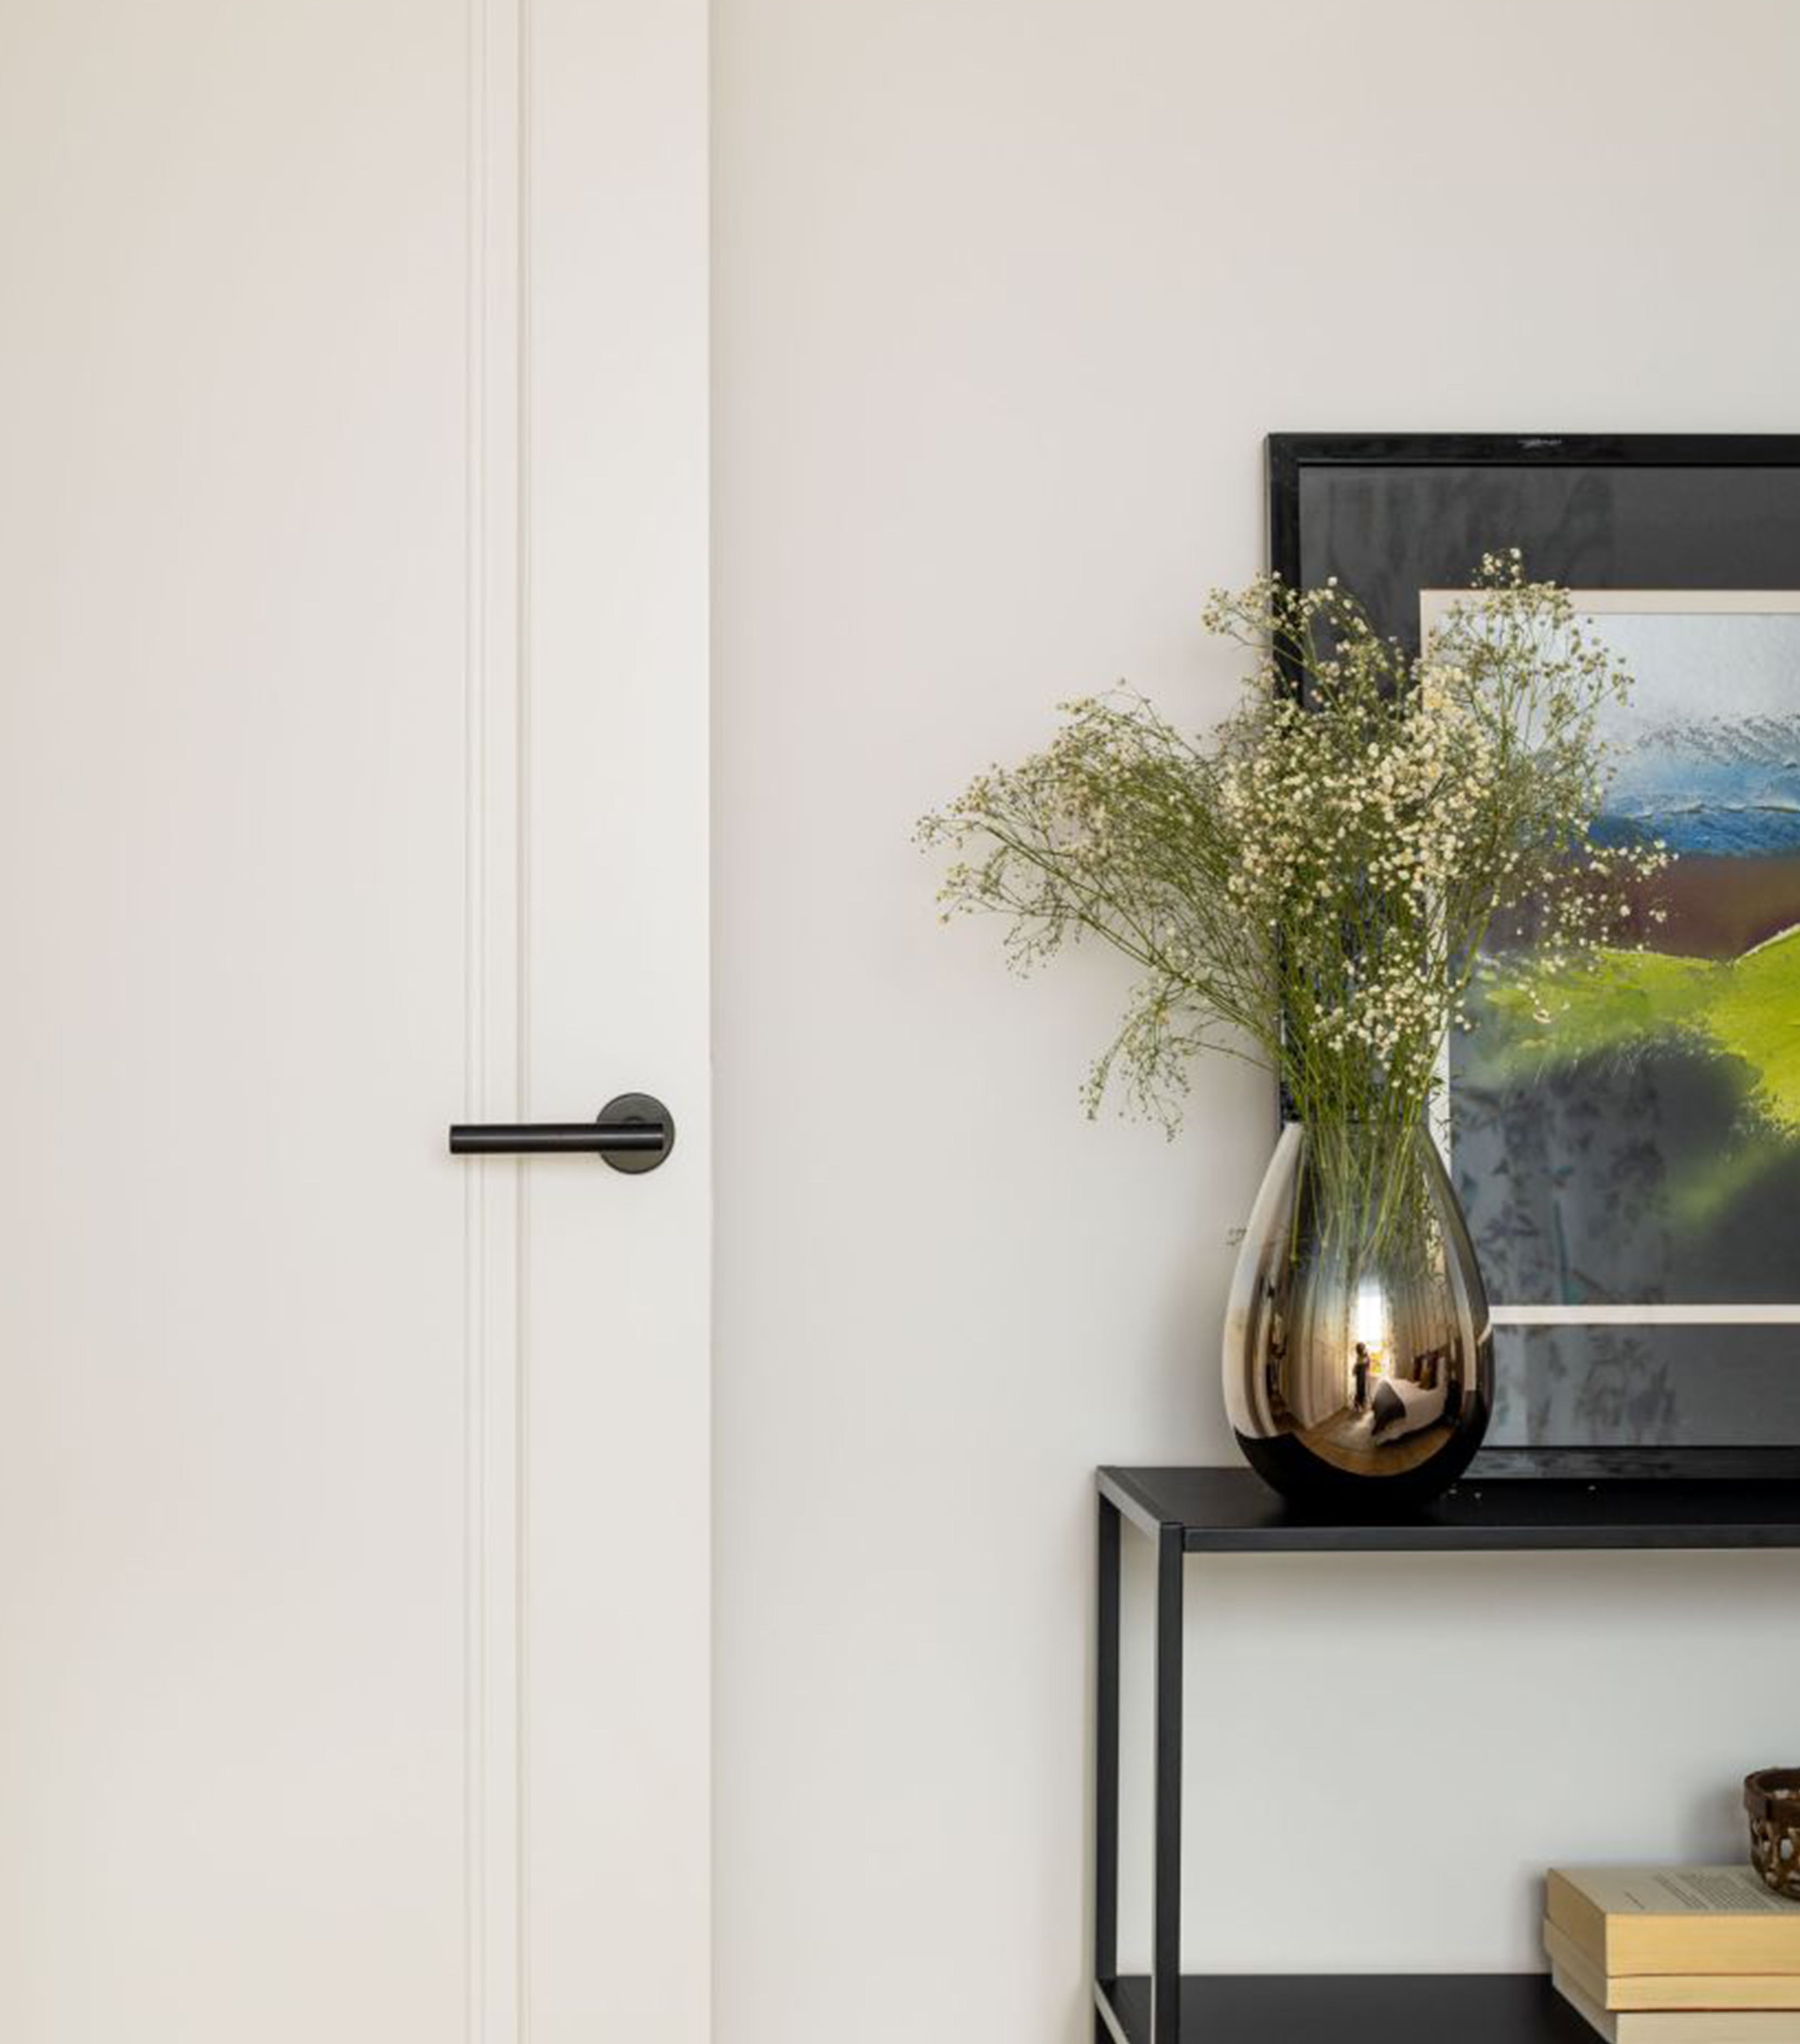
[1675, 1955]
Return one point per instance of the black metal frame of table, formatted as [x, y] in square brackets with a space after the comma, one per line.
[1225, 1510]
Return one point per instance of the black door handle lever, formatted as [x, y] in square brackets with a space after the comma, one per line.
[634, 1133]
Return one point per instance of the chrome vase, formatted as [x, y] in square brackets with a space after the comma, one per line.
[1359, 1357]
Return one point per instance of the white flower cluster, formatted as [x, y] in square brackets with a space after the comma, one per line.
[1315, 886]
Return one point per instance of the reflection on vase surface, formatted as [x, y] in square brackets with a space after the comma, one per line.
[1359, 1360]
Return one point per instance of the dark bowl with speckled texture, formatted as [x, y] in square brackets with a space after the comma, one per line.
[1772, 1797]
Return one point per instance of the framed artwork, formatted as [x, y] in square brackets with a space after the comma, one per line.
[1633, 1185]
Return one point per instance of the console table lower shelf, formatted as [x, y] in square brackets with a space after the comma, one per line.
[1187, 1512]
[1350, 2008]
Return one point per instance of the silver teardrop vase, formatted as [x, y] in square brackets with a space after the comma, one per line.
[1359, 1355]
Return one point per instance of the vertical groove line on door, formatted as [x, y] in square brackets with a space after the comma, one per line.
[492, 1049]
[474, 1030]
[522, 1471]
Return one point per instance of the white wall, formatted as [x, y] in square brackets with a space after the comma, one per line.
[1007, 292]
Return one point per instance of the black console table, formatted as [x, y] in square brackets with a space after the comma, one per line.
[1227, 1511]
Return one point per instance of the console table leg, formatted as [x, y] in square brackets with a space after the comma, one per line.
[1106, 1749]
[1165, 1947]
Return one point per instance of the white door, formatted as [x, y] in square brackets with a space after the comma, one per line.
[353, 707]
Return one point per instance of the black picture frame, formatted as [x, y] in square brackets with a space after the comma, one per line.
[1393, 514]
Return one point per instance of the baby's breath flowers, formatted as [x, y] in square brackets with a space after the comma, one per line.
[1313, 887]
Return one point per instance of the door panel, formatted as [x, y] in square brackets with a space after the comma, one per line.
[337, 1663]
[231, 856]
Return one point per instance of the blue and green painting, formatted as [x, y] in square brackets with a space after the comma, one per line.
[1644, 1148]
